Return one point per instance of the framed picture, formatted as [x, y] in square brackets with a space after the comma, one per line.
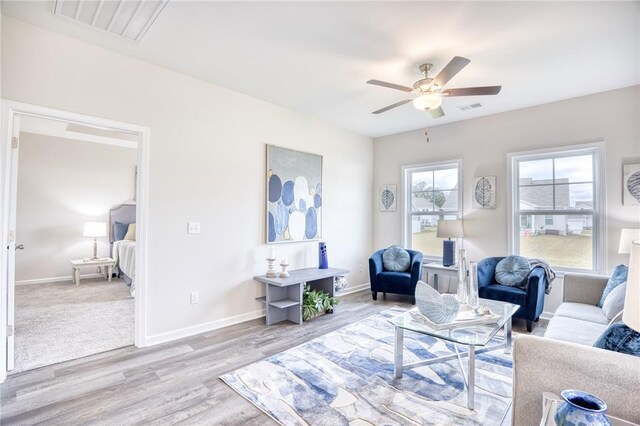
[388, 198]
[631, 184]
[484, 192]
[294, 195]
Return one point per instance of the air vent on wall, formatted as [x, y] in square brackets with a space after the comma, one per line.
[127, 19]
[468, 107]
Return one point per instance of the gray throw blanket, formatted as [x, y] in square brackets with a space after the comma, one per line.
[549, 272]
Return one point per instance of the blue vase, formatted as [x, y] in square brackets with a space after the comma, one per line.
[581, 408]
[322, 256]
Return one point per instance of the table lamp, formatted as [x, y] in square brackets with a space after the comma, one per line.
[631, 315]
[449, 229]
[626, 236]
[95, 230]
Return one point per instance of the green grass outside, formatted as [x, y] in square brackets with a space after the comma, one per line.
[571, 251]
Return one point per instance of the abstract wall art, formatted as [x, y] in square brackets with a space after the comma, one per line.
[631, 184]
[484, 192]
[388, 198]
[294, 195]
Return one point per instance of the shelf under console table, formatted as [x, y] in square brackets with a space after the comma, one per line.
[283, 296]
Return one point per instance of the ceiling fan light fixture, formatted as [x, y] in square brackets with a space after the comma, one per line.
[427, 101]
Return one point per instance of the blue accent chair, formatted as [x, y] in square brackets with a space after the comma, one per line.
[531, 300]
[394, 282]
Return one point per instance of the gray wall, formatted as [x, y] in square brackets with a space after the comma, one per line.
[63, 183]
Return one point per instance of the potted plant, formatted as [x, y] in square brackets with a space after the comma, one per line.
[316, 303]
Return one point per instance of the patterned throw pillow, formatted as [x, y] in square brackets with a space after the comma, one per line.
[512, 270]
[618, 276]
[396, 259]
[619, 338]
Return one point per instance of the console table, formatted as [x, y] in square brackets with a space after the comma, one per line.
[436, 269]
[283, 297]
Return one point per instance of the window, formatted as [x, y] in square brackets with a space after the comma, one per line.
[555, 204]
[431, 192]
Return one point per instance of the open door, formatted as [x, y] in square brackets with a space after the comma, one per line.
[11, 246]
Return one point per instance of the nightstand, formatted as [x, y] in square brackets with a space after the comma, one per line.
[106, 262]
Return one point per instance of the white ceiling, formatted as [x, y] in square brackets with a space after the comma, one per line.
[315, 57]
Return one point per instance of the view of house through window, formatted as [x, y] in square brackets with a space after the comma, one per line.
[555, 198]
[433, 194]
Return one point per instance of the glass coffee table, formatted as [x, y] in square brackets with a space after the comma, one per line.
[470, 336]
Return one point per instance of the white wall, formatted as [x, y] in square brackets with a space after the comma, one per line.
[63, 183]
[483, 144]
[207, 164]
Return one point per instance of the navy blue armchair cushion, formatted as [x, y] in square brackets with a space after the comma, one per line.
[530, 298]
[391, 281]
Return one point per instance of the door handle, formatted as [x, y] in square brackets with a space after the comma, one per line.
[20, 247]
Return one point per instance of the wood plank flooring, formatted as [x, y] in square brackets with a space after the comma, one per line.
[171, 383]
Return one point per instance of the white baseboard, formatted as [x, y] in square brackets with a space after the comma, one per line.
[354, 289]
[56, 279]
[192, 330]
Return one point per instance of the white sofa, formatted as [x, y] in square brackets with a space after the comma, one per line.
[566, 359]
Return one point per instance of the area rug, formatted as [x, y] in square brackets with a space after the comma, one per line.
[58, 322]
[346, 378]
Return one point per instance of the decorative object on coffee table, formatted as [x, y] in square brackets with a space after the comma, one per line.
[581, 408]
[472, 284]
[340, 283]
[631, 185]
[484, 192]
[462, 293]
[284, 263]
[323, 259]
[439, 308]
[449, 229]
[388, 198]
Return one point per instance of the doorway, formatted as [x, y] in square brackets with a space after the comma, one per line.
[92, 272]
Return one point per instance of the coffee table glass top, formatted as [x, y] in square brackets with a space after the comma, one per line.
[478, 335]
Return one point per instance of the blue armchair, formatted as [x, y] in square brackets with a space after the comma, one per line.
[531, 299]
[394, 282]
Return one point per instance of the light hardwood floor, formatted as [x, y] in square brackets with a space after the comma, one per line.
[171, 383]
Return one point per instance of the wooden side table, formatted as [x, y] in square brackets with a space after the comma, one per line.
[437, 269]
[106, 262]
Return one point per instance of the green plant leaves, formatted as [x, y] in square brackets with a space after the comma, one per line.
[316, 302]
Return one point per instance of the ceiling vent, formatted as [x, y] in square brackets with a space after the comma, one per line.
[126, 19]
[468, 107]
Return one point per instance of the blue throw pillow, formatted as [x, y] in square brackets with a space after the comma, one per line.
[619, 338]
[119, 231]
[512, 270]
[618, 276]
[396, 259]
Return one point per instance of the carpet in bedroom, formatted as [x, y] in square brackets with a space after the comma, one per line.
[57, 322]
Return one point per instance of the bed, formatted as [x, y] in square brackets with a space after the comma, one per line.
[123, 251]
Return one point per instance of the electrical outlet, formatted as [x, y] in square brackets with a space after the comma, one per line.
[193, 227]
[360, 267]
[194, 297]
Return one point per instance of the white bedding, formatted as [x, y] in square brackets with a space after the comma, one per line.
[124, 253]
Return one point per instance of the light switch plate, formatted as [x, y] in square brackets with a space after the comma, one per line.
[193, 227]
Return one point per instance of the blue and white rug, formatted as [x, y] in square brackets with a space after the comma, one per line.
[346, 378]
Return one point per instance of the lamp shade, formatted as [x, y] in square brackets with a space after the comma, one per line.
[427, 101]
[631, 315]
[95, 229]
[626, 236]
[450, 229]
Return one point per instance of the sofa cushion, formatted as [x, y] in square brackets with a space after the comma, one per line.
[396, 259]
[618, 276]
[582, 312]
[391, 280]
[620, 338]
[614, 303]
[503, 293]
[574, 330]
[512, 270]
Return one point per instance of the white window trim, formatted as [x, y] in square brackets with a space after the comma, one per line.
[406, 197]
[599, 208]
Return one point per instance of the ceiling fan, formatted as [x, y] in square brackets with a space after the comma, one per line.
[430, 90]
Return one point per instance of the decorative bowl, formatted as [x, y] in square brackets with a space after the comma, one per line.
[439, 308]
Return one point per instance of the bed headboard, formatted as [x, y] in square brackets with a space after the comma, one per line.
[123, 213]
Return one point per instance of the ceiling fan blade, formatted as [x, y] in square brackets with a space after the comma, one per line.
[397, 104]
[390, 85]
[436, 113]
[473, 91]
[452, 68]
